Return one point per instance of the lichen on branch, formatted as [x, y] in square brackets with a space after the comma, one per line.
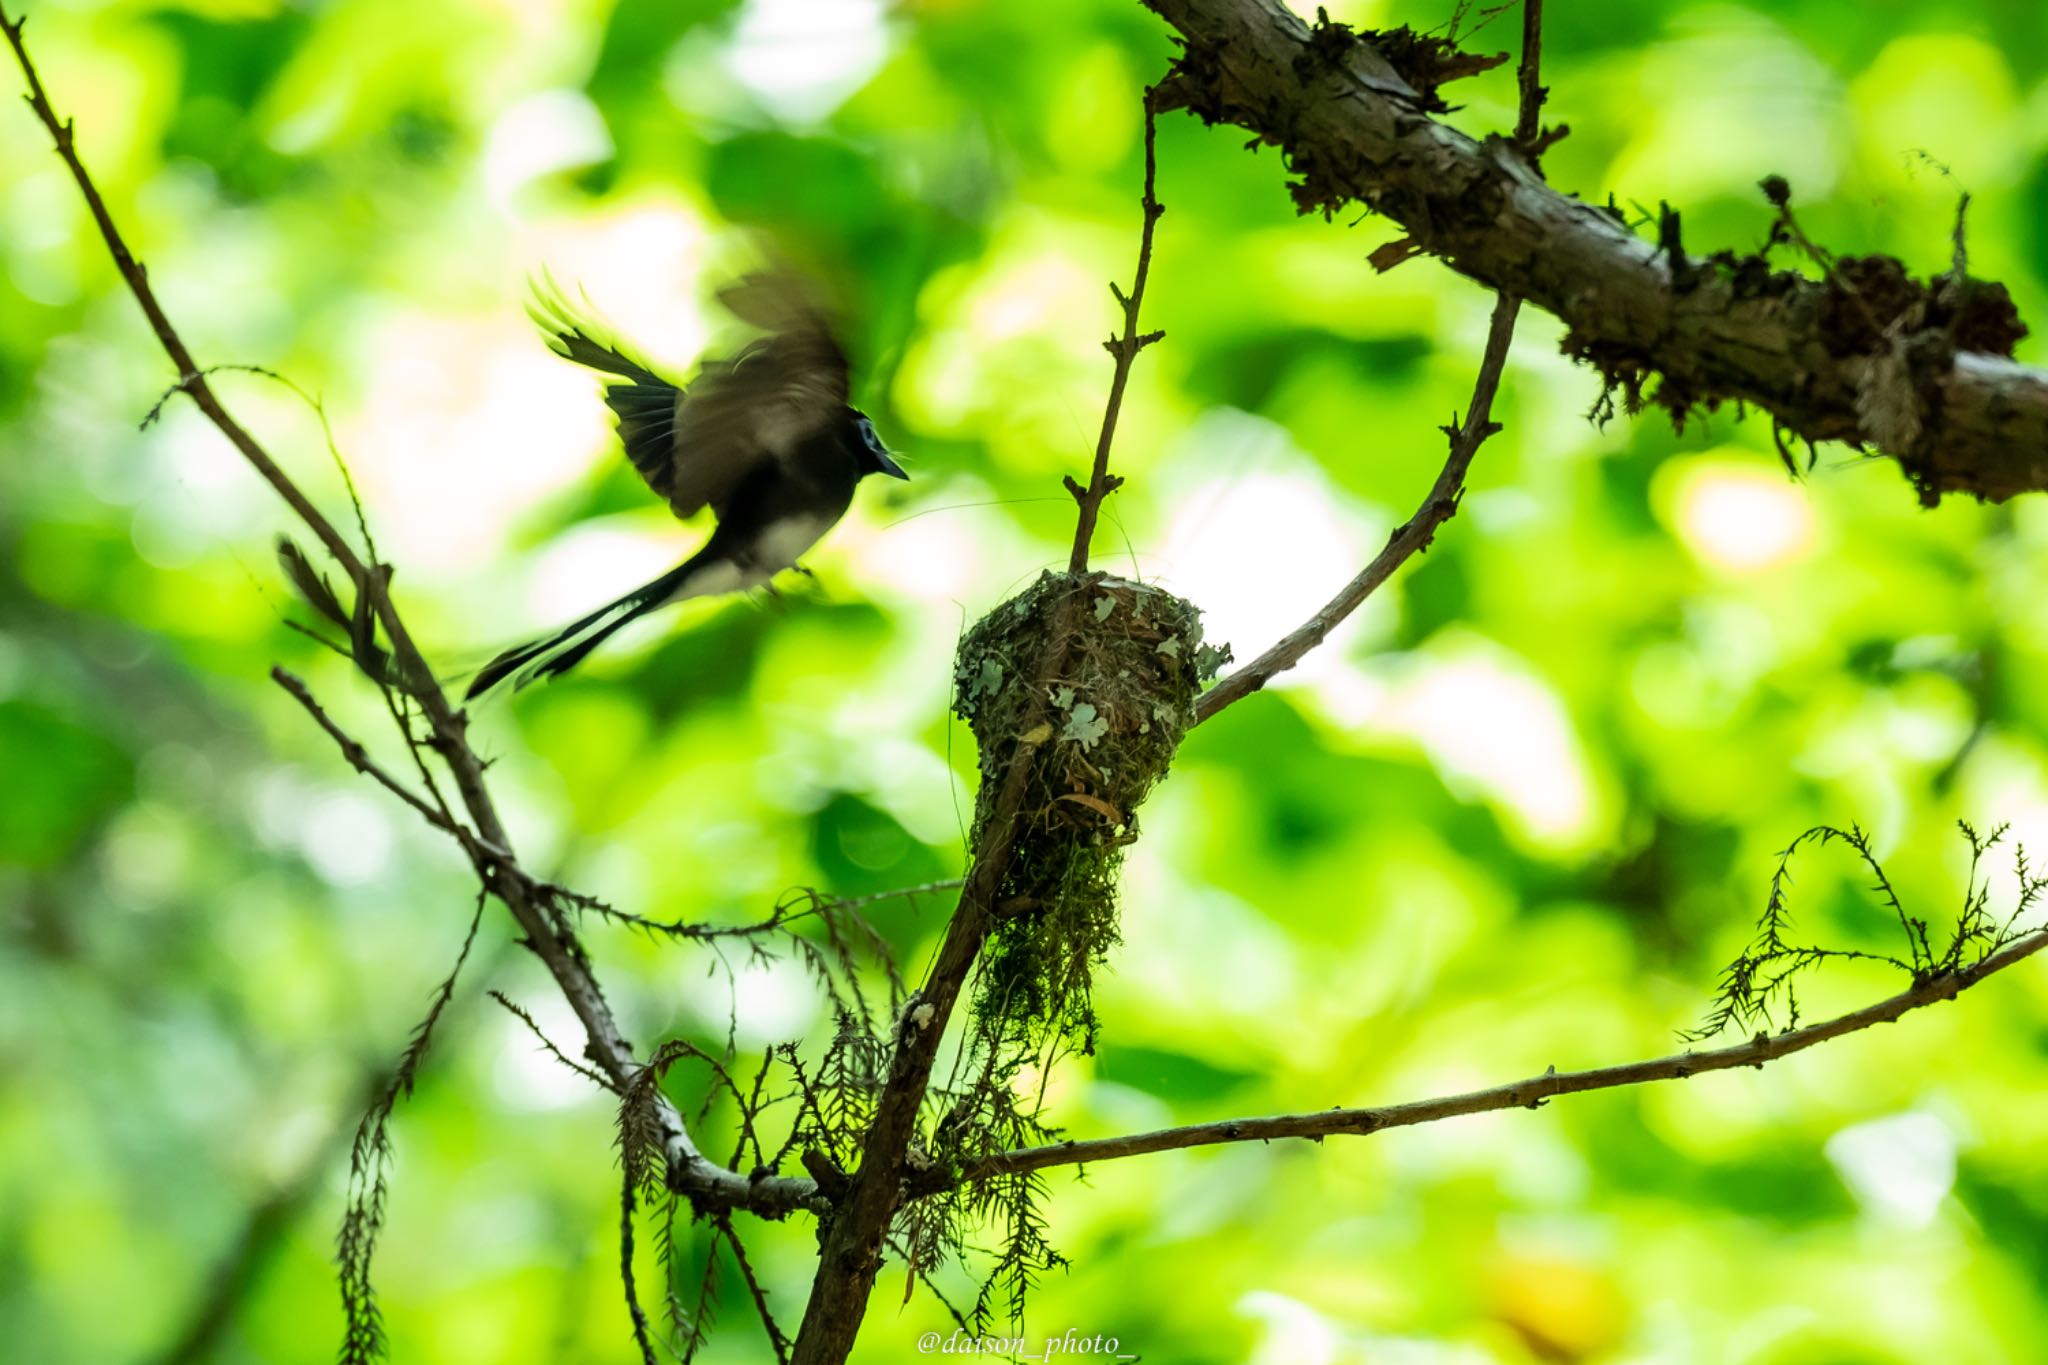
[1921, 371]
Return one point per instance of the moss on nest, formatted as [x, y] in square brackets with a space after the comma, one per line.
[1100, 735]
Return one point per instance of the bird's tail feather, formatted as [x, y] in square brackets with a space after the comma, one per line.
[547, 657]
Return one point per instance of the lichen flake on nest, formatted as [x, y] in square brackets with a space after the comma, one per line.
[1104, 731]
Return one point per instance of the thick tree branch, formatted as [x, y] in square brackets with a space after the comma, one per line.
[851, 1251]
[1865, 355]
[1526, 1094]
[691, 1174]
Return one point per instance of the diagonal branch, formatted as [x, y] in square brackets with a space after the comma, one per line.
[1414, 535]
[1526, 1094]
[690, 1172]
[853, 1238]
[855, 1235]
[1101, 483]
[359, 757]
[776, 1337]
[1409, 538]
[857, 1232]
[1933, 386]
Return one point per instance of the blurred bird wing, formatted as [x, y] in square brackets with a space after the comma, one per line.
[695, 447]
[646, 404]
[761, 404]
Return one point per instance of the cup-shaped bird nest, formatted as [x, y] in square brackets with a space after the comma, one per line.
[1095, 738]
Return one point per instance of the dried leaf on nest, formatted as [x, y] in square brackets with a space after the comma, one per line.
[1096, 804]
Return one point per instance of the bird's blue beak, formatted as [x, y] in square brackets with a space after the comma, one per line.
[888, 465]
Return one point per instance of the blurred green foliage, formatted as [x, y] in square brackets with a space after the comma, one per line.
[1514, 815]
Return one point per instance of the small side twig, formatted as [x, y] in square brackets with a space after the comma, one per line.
[356, 1243]
[359, 757]
[776, 1337]
[803, 905]
[1124, 350]
[548, 1044]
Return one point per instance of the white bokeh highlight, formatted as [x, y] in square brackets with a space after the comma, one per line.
[803, 58]
[547, 132]
[1258, 537]
[1900, 1168]
[1737, 516]
[1490, 726]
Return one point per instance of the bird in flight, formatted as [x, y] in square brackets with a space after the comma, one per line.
[766, 440]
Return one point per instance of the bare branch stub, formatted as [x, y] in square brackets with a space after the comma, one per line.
[1530, 134]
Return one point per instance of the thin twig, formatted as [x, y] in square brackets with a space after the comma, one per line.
[359, 757]
[269, 1224]
[1411, 536]
[192, 380]
[783, 915]
[642, 1338]
[548, 1044]
[1125, 350]
[363, 1218]
[776, 1338]
[1526, 1094]
[750, 1110]
[1414, 535]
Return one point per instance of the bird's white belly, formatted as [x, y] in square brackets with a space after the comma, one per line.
[778, 547]
[784, 542]
[713, 580]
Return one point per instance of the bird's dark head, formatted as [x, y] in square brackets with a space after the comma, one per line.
[871, 455]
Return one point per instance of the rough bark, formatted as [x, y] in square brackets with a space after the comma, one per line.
[1919, 370]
